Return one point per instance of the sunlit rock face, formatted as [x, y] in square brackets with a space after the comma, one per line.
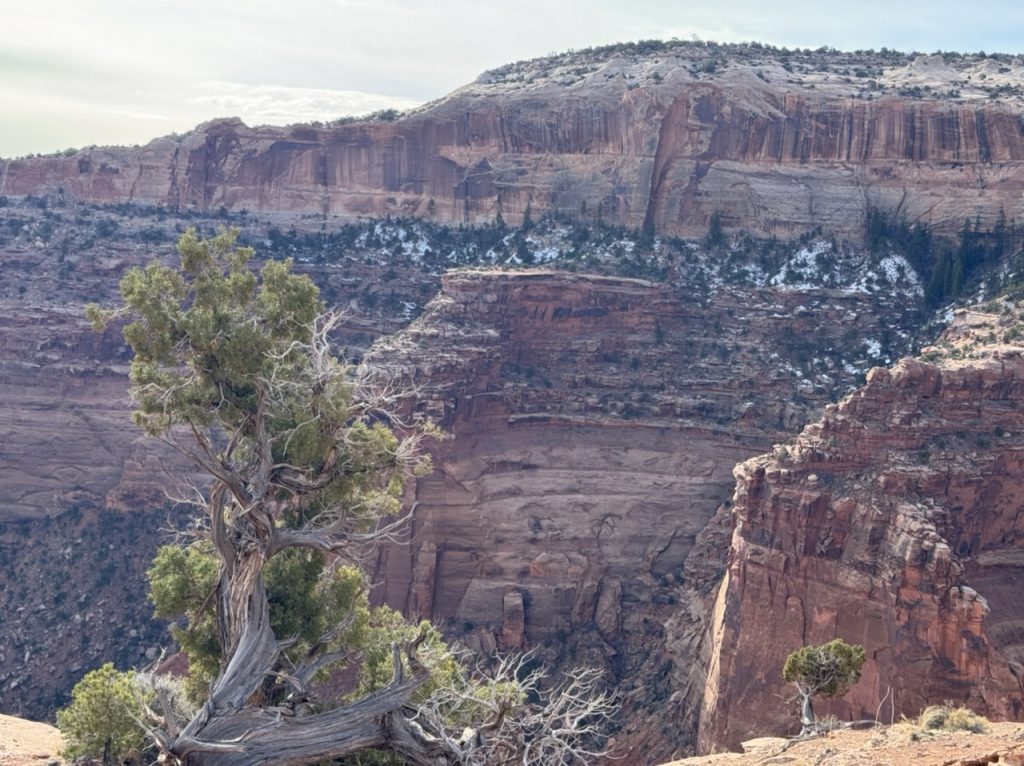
[775, 143]
[894, 522]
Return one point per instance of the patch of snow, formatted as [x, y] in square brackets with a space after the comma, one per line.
[803, 270]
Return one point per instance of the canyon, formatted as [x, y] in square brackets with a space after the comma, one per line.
[595, 424]
[674, 460]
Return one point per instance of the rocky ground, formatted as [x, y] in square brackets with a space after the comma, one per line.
[28, 743]
[901, 744]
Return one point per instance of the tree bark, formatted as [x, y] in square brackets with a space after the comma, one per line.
[807, 719]
[265, 738]
[233, 729]
[272, 737]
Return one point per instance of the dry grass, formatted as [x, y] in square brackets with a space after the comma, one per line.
[942, 718]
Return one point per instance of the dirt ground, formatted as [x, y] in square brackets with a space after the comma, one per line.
[889, 746]
[27, 743]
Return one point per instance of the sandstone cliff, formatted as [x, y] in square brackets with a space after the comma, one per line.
[596, 422]
[63, 388]
[65, 431]
[894, 522]
[776, 142]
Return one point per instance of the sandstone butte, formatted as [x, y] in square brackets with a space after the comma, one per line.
[776, 143]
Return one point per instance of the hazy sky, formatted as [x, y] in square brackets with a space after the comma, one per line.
[78, 72]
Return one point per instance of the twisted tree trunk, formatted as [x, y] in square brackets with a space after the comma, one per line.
[233, 729]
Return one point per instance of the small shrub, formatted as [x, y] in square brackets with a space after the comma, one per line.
[964, 719]
[948, 718]
[101, 721]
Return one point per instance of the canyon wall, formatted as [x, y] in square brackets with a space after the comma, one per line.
[894, 522]
[66, 435]
[595, 423]
[661, 140]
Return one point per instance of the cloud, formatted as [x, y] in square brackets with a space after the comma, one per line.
[281, 105]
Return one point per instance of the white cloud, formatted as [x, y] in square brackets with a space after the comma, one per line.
[281, 105]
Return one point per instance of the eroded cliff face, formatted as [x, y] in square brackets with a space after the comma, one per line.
[893, 522]
[776, 144]
[66, 435]
[595, 425]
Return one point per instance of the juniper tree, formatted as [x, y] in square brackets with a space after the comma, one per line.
[233, 368]
[828, 670]
[100, 721]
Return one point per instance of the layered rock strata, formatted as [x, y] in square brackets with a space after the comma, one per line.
[774, 143]
[595, 425]
[894, 522]
[65, 430]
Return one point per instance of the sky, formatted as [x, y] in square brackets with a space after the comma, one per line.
[81, 72]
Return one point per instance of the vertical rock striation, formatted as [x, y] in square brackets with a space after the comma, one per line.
[775, 145]
[895, 522]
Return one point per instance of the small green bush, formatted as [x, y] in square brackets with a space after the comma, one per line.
[102, 719]
[828, 670]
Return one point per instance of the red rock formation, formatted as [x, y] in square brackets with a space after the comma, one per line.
[65, 429]
[596, 422]
[638, 140]
[66, 434]
[893, 522]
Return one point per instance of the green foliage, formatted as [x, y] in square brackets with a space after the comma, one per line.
[827, 670]
[385, 627]
[307, 600]
[102, 717]
[221, 349]
[181, 583]
[945, 265]
[203, 336]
